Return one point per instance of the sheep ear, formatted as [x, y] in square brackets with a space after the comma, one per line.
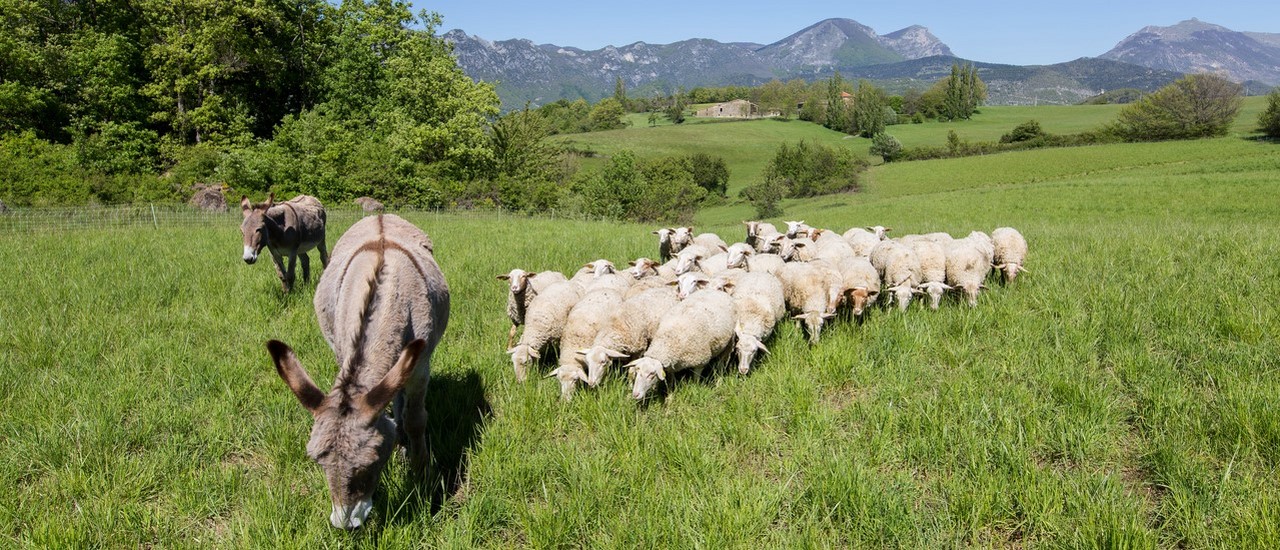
[655, 232]
[614, 354]
[798, 317]
[760, 346]
[531, 274]
[503, 277]
[673, 283]
[982, 287]
[589, 266]
[632, 263]
[582, 351]
[582, 376]
[947, 287]
[727, 286]
[702, 283]
[888, 229]
[723, 248]
[534, 354]
[662, 374]
[1023, 269]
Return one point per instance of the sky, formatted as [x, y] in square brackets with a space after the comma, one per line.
[1019, 33]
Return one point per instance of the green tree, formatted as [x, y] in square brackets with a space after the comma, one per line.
[607, 115]
[1195, 106]
[710, 173]
[675, 109]
[1269, 120]
[886, 146]
[620, 92]
[838, 114]
[869, 109]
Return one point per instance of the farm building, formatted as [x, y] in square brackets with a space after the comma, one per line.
[738, 108]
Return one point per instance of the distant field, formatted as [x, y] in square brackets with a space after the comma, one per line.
[1121, 395]
[748, 145]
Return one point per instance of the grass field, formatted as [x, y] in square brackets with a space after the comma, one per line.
[1122, 394]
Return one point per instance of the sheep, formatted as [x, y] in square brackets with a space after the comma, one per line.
[664, 243]
[710, 240]
[807, 290]
[800, 249]
[758, 304]
[715, 264]
[834, 249]
[585, 321]
[982, 242]
[757, 232]
[766, 263]
[544, 322]
[680, 238]
[738, 254]
[523, 286]
[1010, 252]
[943, 239]
[628, 330]
[933, 267]
[688, 257]
[966, 268]
[795, 227]
[644, 267]
[690, 283]
[690, 335]
[860, 283]
[879, 231]
[861, 241]
[821, 236]
[899, 269]
[588, 272]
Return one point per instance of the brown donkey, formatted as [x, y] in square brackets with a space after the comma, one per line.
[382, 308]
[289, 228]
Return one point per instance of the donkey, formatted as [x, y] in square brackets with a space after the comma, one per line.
[289, 228]
[383, 309]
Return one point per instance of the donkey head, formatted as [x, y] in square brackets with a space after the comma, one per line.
[255, 228]
[351, 438]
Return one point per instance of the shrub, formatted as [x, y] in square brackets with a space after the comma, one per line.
[1026, 131]
[640, 190]
[886, 146]
[1269, 120]
[1195, 106]
[710, 173]
[809, 169]
[764, 197]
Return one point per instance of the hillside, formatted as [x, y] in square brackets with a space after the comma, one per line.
[1194, 46]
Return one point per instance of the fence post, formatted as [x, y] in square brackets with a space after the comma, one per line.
[154, 222]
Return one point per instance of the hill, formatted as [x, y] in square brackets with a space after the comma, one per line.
[1194, 46]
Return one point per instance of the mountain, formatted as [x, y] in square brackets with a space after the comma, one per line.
[524, 71]
[1194, 46]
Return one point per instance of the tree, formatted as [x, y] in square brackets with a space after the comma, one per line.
[675, 110]
[710, 173]
[886, 146]
[1195, 106]
[838, 116]
[958, 96]
[868, 110]
[607, 115]
[1269, 120]
[620, 92]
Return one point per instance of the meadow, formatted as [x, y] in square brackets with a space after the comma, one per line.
[1122, 394]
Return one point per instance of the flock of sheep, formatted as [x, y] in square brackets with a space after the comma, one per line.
[704, 299]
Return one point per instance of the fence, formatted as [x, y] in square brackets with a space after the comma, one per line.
[157, 216]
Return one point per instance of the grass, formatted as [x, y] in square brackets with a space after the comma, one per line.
[1122, 394]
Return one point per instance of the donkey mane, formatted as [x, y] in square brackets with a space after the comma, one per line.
[349, 368]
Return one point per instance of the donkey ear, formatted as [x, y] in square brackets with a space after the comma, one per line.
[291, 371]
[245, 205]
[271, 199]
[377, 397]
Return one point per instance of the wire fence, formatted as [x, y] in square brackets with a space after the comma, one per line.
[162, 216]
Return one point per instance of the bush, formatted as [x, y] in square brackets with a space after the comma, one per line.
[809, 169]
[640, 190]
[710, 173]
[1269, 120]
[886, 146]
[1195, 106]
[765, 196]
[1026, 131]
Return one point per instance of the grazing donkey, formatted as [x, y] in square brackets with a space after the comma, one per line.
[291, 228]
[382, 308]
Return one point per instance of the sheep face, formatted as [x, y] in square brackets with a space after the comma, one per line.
[642, 267]
[680, 238]
[521, 356]
[971, 293]
[902, 294]
[794, 227]
[1010, 270]
[737, 256]
[648, 372]
[812, 321]
[601, 267]
[518, 279]
[788, 249]
[880, 230]
[597, 361]
[934, 289]
[686, 261]
[747, 347]
[569, 376]
[858, 299]
[689, 283]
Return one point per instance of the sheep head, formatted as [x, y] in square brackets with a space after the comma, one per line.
[569, 376]
[647, 372]
[597, 360]
[521, 356]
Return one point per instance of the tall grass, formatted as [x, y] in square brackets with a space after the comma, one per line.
[1122, 394]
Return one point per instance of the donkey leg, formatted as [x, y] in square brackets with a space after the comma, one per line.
[414, 423]
[288, 274]
[324, 255]
[280, 270]
[306, 267]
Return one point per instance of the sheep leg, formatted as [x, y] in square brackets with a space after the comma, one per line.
[511, 337]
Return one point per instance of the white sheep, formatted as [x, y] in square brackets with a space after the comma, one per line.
[800, 249]
[967, 267]
[861, 241]
[943, 239]
[807, 290]
[680, 238]
[795, 227]
[860, 283]
[933, 267]
[644, 267]
[738, 254]
[690, 335]
[628, 330]
[834, 249]
[758, 304]
[585, 321]
[544, 322]
[765, 263]
[899, 269]
[522, 287]
[710, 240]
[688, 257]
[589, 272]
[880, 230]
[982, 242]
[1010, 252]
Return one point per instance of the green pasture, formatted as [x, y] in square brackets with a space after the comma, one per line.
[1123, 394]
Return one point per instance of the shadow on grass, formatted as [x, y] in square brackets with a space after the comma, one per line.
[456, 411]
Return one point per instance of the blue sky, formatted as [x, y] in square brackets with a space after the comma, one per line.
[1022, 33]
